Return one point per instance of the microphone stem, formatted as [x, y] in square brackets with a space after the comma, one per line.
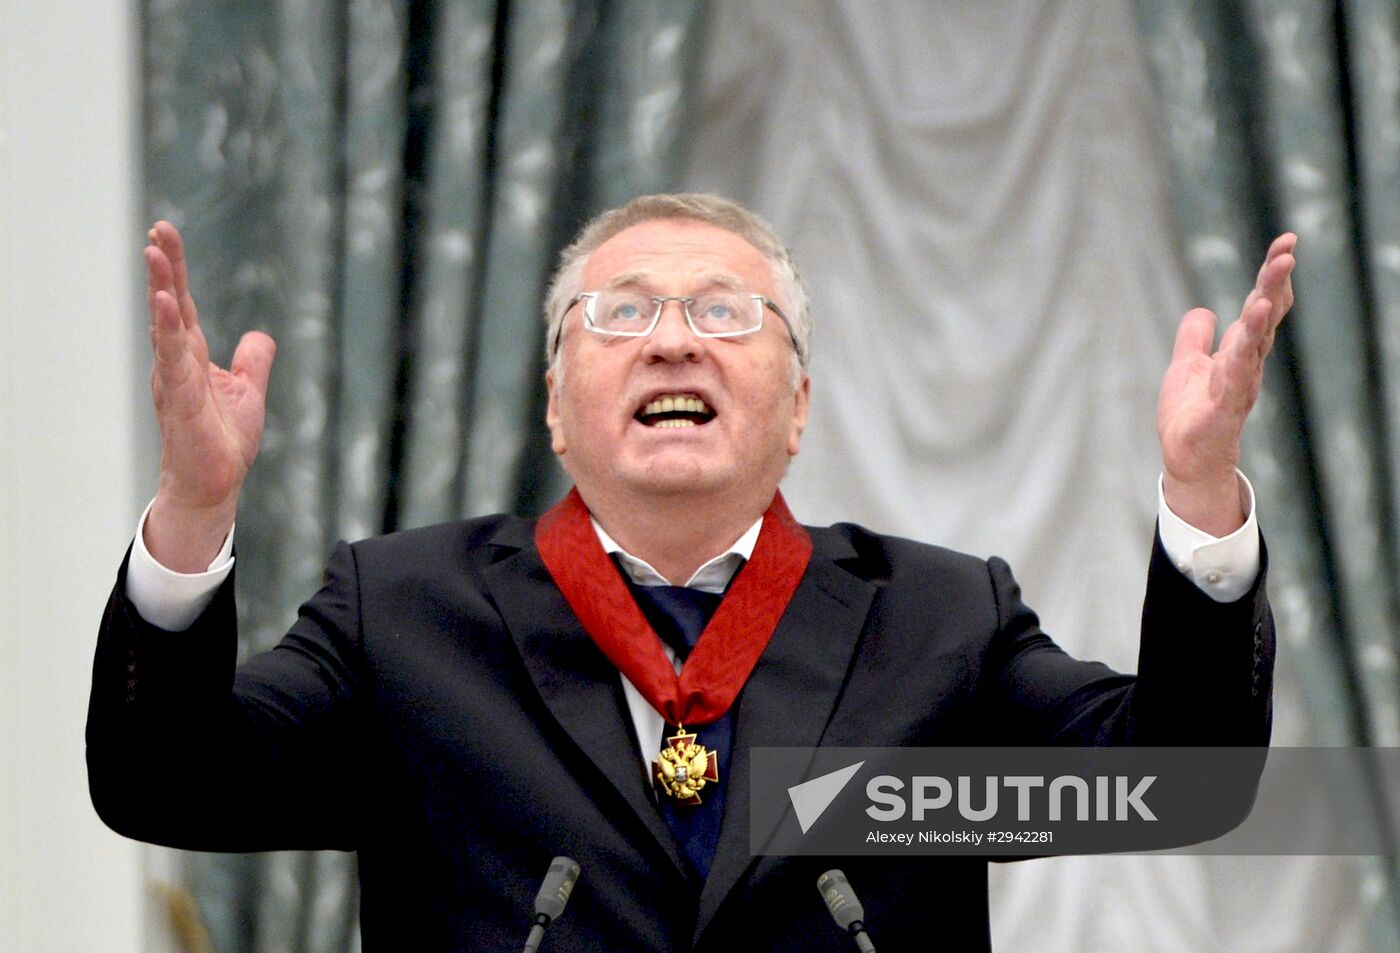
[532, 942]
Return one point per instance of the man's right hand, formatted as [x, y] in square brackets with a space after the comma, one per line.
[211, 419]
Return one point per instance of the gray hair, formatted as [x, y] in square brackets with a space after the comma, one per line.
[693, 206]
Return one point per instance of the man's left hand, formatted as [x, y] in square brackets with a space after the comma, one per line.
[1206, 397]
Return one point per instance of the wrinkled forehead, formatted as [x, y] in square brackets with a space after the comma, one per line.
[678, 256]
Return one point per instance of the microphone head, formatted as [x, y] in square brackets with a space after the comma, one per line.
[839, 898]
[558, 884]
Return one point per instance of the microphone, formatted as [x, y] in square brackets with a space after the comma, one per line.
[554, 893]
[845, 909]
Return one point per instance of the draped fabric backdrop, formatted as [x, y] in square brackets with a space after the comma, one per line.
[384, 186]
[1002, 210]
[1287, 115]
[982, 199]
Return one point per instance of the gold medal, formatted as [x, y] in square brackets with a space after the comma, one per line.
[684, 768]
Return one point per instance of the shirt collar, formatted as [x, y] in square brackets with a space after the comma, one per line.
[713, 576]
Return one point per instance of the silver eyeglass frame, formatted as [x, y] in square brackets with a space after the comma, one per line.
[660, 301]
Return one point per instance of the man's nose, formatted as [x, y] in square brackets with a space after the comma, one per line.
[672, 339]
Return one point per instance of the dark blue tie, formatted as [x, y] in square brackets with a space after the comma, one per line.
[679, 614]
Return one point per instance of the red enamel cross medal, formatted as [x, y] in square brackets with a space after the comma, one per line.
[684, 768]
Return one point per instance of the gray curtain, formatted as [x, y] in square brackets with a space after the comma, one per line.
[1000, 235]
[1285, 114]
[384, 186]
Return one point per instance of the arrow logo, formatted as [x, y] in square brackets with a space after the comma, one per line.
[811, 798]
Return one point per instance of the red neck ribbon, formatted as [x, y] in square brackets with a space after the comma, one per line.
[731, 643]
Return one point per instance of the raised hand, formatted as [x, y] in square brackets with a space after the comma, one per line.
[1206, 397]
[211, 419]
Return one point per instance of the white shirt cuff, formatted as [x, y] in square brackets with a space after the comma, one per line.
[1224, 568]
[168, 599]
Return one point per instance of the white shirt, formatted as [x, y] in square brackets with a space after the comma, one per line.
[1223, 568]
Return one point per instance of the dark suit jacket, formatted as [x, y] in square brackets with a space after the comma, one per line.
[437, 708]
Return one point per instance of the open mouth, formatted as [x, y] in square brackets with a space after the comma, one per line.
[675, 410]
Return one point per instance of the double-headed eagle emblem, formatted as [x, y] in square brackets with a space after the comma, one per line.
[684, 768]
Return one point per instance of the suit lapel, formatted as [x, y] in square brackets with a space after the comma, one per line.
[790, 696]
[578, 684]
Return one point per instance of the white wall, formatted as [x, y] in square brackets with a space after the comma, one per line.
[70, 307]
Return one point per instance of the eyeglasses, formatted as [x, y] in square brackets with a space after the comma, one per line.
[634, 314]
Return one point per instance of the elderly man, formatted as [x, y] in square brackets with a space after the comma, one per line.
[462, 702]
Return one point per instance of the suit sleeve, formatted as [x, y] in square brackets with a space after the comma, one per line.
[188, 750]
[1205, 671]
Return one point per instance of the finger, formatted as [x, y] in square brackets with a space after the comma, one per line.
[1275, 274]
[1230, 340]
[159, 278]
[1278, 285]
[170, 241]
[1248, 340]
[252, 359]
[1196, 334]
[167, 332]
[1283, 245]
[1275, 287]
[1256, 321]
[1280, 246]
[1275, 284]
[1239, 365]
[1243, 337]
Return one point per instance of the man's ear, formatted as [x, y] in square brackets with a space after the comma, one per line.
[801, 399]
[551, 415]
